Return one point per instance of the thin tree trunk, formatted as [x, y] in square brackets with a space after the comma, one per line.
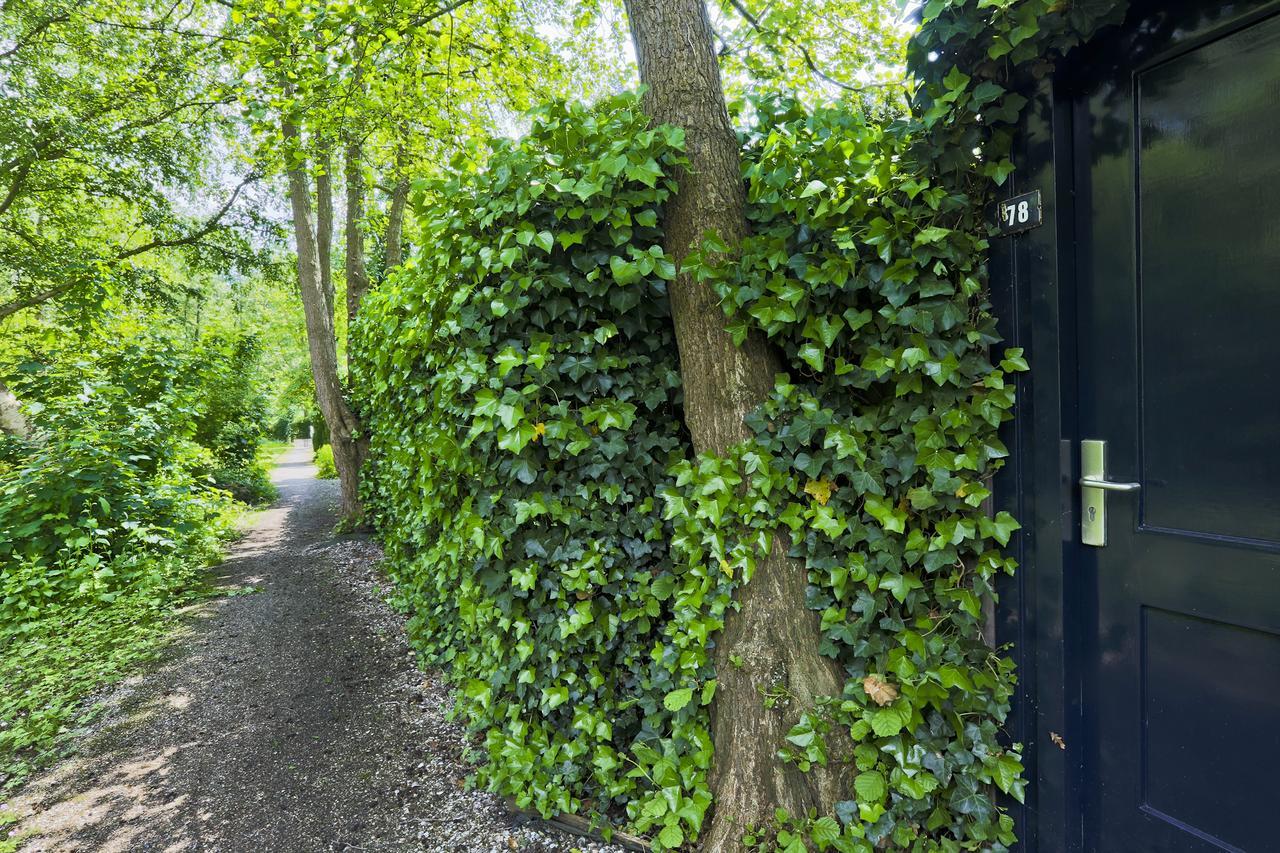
[395, 226]
[344, 427]
[324, 226]
[357, 276]
[773, 633]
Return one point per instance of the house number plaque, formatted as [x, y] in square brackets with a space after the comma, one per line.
[1020, 213]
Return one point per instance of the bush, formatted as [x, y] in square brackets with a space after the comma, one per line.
[523, 417]
[105, 523]
[250, 484]
[325, 469]
[231, 416]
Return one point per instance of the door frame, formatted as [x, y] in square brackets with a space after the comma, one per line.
[1032, 279]
[1041, 612]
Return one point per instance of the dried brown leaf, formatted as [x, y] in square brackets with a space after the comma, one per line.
[879, 691]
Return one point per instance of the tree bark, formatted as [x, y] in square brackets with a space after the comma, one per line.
[344, 426]
[11, 418]
[395, 227]
[324, 226]
[774, 634]
[357, 274]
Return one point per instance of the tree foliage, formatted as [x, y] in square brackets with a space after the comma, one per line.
[816, 51]
[110, 114]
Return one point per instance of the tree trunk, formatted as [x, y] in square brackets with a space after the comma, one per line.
[344, 427]
[395, 227]
[357, 275]
[11, 419]
[324, 227]
[774, 634]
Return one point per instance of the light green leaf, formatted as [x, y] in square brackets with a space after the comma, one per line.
[677, 699]
[812, 188]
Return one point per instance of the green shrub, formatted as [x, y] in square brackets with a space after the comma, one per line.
[325, 469]
[875, 455]
[523, 417]
[105, 522]
[537, 492]
[250, 484]
[230, 419]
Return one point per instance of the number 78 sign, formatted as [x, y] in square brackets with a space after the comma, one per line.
[1020, 213]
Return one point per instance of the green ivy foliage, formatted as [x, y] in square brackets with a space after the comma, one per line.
[524, 410]
[867, 269]
[526, 416]
[878, 447]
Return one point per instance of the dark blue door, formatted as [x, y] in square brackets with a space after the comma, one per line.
[1177, 136]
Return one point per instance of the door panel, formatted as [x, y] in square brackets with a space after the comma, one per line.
[1209, 252]
[1178, 183]
[1192, 771]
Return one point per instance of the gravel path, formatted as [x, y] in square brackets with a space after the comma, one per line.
[290, 719]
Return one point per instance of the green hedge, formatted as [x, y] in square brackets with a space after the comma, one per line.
[559, 545]
[524, 410]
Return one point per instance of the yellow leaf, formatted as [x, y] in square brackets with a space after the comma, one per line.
[819, 490]
[539, 430]
[725, 567]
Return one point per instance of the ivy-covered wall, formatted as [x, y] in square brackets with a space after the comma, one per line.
[562, 549]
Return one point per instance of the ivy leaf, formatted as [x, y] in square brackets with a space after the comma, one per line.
[879, 691]
[624, 272]
[956, 80]
[891, 519]
[825, 832]
[812, 355]
[870, 786]
[506, 360]
[986, 92]
[819, 490]
[970, 801]
[887, 722]
[1007, 774]
[677, 699]
[900, 584]
[671, 836]
[1000, 527]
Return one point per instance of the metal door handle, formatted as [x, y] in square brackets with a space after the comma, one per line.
[1094, 486]
[1109, 485]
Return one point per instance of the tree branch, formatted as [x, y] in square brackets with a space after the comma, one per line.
[751, 19]
[192, 238]
[34, 33]
[211, 224]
